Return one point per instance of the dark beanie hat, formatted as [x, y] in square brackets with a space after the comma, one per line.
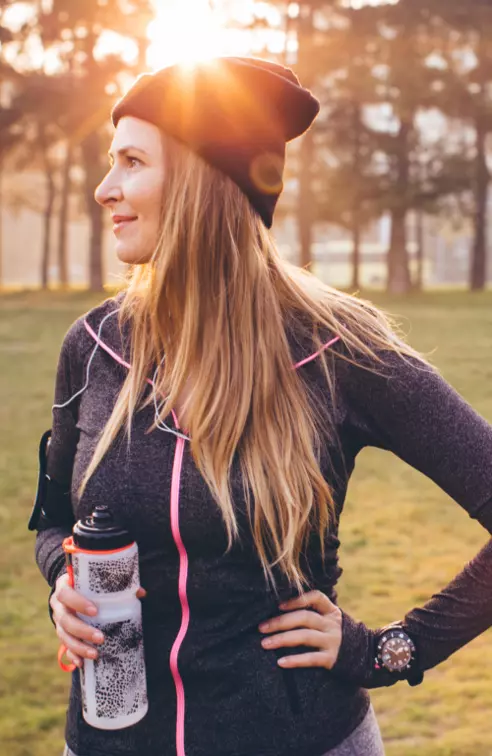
[236, 113]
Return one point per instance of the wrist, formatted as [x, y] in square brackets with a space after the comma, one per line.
[356, 660]
[61, 571]
[355, 655]
[395, 651]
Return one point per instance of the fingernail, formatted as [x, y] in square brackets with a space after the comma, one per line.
[282, 606]
[92, 653]
[98, 636]
[91, 609]
[282, 661]
[266, 642]
[264, 626]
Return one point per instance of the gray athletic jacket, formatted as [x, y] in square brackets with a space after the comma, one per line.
[213, 690]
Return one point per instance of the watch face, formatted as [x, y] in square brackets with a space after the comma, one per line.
[396, 653]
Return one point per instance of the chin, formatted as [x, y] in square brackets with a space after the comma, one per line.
[131, 256]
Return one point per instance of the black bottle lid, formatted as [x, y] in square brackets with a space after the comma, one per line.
[99, 531]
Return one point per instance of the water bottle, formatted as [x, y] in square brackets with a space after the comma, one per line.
[102, 564]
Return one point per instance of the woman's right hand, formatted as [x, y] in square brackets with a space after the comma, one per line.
[72, 631]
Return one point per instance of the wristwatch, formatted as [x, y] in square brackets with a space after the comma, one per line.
[396, 652]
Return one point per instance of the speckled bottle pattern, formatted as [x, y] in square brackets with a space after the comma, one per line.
[104, 560]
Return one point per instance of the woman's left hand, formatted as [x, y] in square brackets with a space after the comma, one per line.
[321, 629]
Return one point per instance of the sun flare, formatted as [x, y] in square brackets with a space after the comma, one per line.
[184, 31]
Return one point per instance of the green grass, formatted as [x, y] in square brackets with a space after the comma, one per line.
[402, 538]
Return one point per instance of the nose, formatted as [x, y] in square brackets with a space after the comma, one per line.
[108, 190]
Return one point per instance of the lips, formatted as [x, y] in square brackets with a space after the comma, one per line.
[121, 221]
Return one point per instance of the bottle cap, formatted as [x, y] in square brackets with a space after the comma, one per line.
[100, 532]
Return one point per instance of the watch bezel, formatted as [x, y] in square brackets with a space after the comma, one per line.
[387, 634]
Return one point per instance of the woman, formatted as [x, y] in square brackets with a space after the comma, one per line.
[265, 385]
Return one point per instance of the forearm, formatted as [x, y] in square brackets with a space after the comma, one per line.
[355, 661]
[413, 412]
[457, 614]
[447, 622]
[50, 556]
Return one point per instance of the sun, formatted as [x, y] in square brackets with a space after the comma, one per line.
[191, 31]
[184, 31]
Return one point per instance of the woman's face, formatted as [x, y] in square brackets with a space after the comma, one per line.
[132, 189]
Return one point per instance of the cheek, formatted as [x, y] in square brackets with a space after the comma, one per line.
[144, 194]
[136, 245]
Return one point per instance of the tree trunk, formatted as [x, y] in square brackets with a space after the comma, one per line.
[96, 274]
[419, 237]
[356, 210]
[305, 199]
[1, 218]
[93, 175]
[356, 236]
[48, 208]
[48, 218]
[305, 217]
[399, 280]
[478, 270]
[62, 228]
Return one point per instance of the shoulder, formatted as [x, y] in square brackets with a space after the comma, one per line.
[307, 342]
[386, 381]
[79, 338]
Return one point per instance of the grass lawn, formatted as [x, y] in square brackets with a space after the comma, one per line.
[402, 537]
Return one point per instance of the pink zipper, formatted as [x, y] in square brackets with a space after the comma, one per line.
[185, 609]
[183, 555]
[183, 562]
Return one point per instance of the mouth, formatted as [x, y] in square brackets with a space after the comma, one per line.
[121, 221]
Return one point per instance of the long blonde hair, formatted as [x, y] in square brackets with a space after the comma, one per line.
[215, 299]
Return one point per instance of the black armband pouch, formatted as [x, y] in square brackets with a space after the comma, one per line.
[52, 505]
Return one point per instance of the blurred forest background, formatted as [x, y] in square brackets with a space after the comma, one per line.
[390, 189]
[387, 194]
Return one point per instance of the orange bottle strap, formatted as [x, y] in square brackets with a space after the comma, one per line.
[65, 667]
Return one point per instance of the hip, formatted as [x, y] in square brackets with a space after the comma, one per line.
[365, 740]
[265, 711]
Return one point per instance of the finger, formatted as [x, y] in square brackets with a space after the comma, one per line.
[301, 618]
[73, 644]
[74, 658]
[70, 598]
[311, 659]
[315, 599]
[298, 638]
[80, 629]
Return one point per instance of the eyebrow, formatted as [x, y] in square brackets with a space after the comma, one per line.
[124, 150]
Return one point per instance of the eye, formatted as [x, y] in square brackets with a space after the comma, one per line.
[133, 162]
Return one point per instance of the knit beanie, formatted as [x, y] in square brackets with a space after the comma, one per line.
[236, 113]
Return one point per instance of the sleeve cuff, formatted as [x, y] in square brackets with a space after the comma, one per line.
[355, 661]
[62, 569]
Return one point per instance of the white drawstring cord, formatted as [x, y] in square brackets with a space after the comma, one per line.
[65, 404]
[161, 425]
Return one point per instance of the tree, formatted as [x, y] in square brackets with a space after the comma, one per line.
[469, 96]
[95, 79]
[9, 137]
[90, 81]
[347, 177]
[309, 35]
[9, 114]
